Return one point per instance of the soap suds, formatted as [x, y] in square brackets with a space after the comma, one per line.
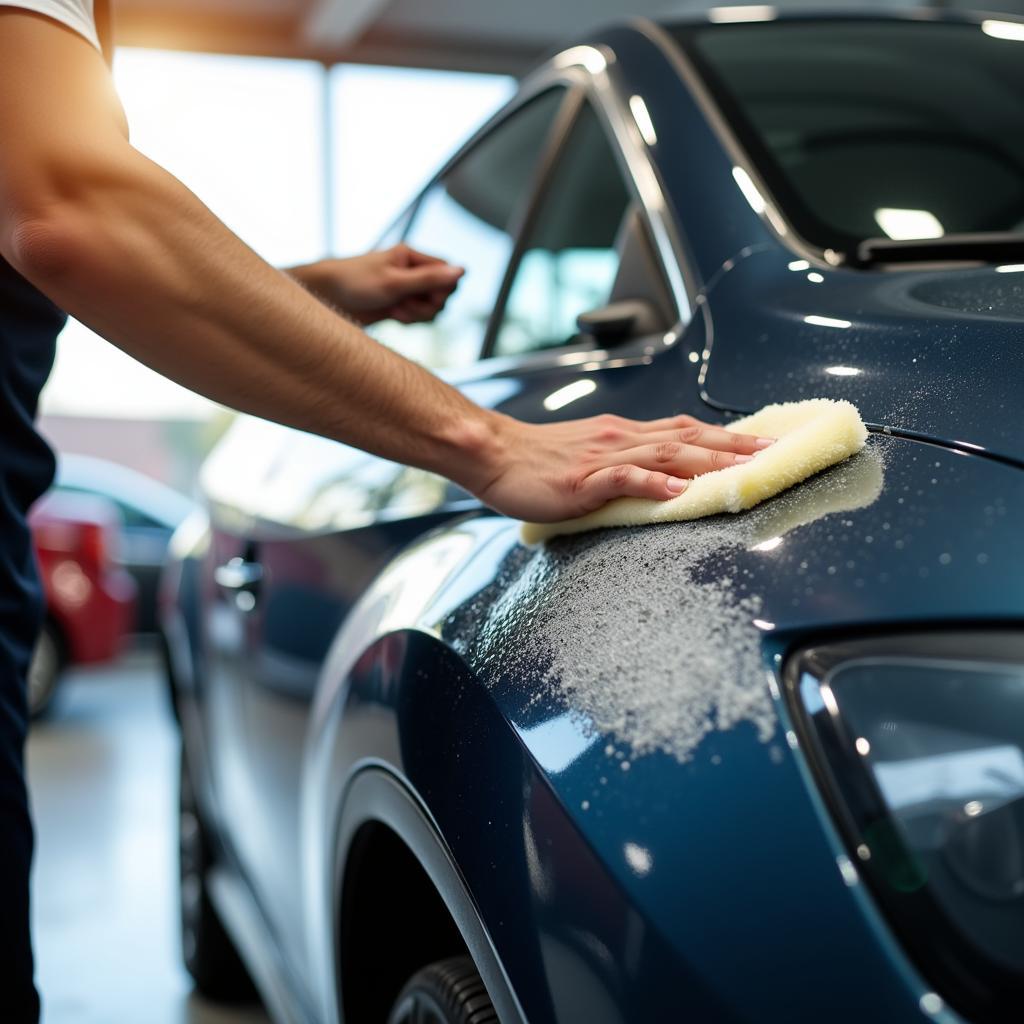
[646, 636]
[643, 635]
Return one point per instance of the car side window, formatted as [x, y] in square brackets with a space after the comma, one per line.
[468, 217]
[131, 517]
[571, 252]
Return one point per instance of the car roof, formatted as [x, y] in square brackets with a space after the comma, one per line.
[124, 485]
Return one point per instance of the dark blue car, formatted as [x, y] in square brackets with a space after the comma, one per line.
[756, 768]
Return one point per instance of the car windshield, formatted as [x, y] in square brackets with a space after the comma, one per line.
[876, 129]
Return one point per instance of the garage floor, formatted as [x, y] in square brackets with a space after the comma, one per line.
[103, 775]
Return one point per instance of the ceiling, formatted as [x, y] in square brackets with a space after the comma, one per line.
[462, 34]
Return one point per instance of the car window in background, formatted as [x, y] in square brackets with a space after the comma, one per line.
[874, 129]
[468, 217]
[143, 502]
[131, 517]
[297, 159]
[569, 261]
[244, 134]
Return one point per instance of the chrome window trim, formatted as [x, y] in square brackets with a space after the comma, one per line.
[771, 215]
[641, 172]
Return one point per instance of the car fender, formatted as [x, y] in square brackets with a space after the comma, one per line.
[352, 768]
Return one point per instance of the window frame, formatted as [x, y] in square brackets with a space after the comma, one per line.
[582, 84]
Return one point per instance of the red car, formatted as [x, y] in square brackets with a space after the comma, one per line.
[90, 598]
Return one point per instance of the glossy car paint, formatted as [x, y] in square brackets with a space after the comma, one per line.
[711, 888]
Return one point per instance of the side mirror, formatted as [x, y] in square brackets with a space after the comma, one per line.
[619, 321]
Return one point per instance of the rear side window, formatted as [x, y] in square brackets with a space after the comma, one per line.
[469, 218]
[875, 129]
[569, 260]
[131, 517]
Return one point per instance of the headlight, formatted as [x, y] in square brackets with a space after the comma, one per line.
[917, 743]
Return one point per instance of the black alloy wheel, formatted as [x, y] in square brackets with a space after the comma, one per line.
[447, 992]
[44, 670]
[209, 954]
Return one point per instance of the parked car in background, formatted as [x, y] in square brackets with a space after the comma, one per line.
[149, 511]
[90, 598]
[754, 768]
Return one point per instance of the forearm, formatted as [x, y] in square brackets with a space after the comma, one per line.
[139, 259]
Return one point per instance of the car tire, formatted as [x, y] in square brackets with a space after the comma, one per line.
[209, 954]
[44, 670]
[447, 992]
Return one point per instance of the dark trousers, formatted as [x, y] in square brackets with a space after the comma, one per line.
[29, 325]
[19, 1002]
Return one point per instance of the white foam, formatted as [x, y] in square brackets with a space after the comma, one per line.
[648, 637]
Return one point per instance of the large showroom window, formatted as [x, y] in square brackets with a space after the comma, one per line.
[297, 159]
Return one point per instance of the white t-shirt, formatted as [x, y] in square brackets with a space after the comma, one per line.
[76, 14]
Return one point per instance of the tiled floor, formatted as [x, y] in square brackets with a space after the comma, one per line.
[103, 771]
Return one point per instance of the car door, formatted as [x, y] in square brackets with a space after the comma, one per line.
[324, 519]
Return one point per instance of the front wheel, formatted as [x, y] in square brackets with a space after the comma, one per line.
[447, 992]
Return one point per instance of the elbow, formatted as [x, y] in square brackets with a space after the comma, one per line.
[38, 247]
[47, 248]
[51, 220]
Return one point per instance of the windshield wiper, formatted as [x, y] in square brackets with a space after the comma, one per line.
[995, 247]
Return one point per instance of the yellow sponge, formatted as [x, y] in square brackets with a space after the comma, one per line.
[812, 436]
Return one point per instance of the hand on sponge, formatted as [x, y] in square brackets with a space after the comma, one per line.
[812, 435]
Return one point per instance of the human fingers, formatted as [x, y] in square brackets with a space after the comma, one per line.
[705, 436]
[416, 258]
[686, 430]
[423, 280]
[677, 459]
[418, 310]
[681, 421]
[626, 481]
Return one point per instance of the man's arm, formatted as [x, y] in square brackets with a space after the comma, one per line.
[127, 249]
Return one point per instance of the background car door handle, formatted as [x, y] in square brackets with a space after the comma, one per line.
[238, 574]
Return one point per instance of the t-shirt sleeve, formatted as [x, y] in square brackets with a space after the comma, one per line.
[76, 14]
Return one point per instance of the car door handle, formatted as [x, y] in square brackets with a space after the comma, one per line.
[238, 574]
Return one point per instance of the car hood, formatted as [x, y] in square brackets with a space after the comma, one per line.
[937, 353]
